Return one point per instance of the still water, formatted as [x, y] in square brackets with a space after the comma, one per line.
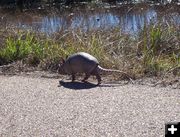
[128, 19]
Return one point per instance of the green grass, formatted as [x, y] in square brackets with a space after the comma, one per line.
[155, 50]
[160, 48]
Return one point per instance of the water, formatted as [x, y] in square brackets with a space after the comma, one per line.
[128, 19]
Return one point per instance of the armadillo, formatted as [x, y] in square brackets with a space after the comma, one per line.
[82, 62]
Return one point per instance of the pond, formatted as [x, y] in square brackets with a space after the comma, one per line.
[128, 18]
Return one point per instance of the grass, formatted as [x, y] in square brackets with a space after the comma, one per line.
[161, 49]
[154, 51]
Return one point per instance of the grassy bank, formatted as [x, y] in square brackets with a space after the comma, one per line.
[154, 51]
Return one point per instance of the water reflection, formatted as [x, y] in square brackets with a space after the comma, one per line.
[127, 21]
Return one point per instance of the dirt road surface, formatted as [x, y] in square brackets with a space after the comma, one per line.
[39, 107]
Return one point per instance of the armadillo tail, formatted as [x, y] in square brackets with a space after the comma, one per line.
[109, 70]
[103, 70]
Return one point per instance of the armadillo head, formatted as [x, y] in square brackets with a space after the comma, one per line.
[61, 68]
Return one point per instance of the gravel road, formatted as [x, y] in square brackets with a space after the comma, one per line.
[39, 107]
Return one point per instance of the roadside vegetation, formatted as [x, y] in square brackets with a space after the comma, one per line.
[154, 51]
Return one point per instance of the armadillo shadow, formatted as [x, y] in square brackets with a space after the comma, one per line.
[77, 85]
[81, 85]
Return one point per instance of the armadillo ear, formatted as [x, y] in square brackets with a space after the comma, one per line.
[62, 61]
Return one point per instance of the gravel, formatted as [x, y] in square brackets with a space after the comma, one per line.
[40, 107]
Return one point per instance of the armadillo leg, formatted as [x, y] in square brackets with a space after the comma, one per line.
[86, 77]
[96, 73]
[98, 77]
[73, 77]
